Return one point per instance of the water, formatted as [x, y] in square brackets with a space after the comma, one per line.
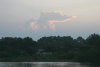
[41, 64]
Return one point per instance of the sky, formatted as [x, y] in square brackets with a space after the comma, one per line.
[39, 18]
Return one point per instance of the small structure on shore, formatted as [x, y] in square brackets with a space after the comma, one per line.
[43, 53]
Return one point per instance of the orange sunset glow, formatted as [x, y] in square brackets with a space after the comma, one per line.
[35, 26]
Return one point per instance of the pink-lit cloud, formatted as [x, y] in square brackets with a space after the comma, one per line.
[46, 21]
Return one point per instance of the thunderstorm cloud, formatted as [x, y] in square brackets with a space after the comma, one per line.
[46, 20]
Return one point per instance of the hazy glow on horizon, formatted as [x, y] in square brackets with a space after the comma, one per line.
[16, 13]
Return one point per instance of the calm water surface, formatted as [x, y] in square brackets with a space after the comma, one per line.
[41, 64]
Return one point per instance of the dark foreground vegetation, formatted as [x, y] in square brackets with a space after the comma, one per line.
[63, 49]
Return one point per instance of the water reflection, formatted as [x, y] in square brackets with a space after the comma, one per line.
[41, 64]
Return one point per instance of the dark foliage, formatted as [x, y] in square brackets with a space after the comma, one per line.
[62, 48]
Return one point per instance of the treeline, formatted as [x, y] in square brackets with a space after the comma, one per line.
[62, 48]
[14, 47]
[67, 48]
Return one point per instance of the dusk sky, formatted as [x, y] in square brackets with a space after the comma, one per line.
[39, 18]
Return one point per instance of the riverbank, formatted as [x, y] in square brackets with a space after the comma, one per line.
[33, 60]
[42, 59]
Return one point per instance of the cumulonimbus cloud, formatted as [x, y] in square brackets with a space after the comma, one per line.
[46, 20]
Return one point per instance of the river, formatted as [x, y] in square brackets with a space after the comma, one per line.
[41, 64]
